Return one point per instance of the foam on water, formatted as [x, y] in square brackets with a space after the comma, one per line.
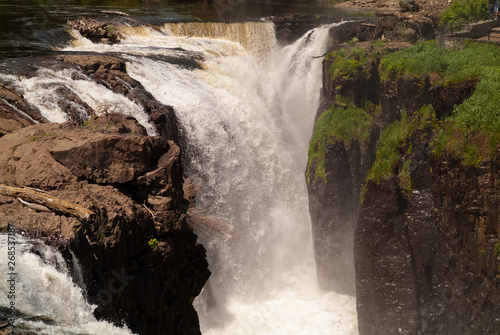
[45, 290]
[41, 91]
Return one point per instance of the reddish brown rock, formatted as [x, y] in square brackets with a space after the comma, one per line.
[141, 261]
[15, 112]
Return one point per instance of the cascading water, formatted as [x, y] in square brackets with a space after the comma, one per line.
[246, 115]
[46, 297]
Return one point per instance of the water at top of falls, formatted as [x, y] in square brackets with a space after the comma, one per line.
[246, 114]
[46, 297]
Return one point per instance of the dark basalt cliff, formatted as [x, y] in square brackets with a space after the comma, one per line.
[419, 246]
[141, 262]
[334, 198]
[428, 265]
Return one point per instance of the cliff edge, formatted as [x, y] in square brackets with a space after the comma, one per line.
[403, 173]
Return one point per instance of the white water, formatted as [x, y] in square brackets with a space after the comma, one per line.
[248, 115]
[45, 290]
[41, 91]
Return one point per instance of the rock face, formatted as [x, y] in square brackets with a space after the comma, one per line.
[431, 260]
[426, 258]
[141, 261]
[334, 200]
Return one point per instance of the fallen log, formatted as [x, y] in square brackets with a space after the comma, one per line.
[47, 200]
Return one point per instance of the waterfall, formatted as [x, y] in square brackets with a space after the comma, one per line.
[46, 297]
[246, 116]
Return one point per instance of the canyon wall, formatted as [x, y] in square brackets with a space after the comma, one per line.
[141, 263]
[418, 245]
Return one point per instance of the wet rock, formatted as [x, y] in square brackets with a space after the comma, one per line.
[97, 32]
[141, 261]
[15, 112]
[111, 72]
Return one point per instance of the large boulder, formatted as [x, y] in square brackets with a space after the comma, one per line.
[141, 261]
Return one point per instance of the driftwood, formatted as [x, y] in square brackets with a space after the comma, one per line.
[48, 201]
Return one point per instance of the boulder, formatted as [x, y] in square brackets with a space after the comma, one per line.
[140, 259]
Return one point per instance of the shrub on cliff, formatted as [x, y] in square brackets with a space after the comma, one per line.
[481, 112]
[342, 121]
[462, 11]
[347, 63]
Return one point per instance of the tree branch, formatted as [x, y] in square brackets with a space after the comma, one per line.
[48, 201]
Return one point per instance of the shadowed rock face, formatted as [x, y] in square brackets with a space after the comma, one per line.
[426, 262]
[133, 183]
[334, 201]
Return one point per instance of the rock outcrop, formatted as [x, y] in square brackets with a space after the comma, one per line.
[109, 71]
[430, 259]
[141, 260]
[15, 111]
[334, 199]
[426, 250]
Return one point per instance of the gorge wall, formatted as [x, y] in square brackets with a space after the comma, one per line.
[419, 243]
[141, 263]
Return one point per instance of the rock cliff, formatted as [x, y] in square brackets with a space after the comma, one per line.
[141, 262]
[411, 191]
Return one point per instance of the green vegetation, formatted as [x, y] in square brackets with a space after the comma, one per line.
[393, 142]
[481, 112]
[462, 11]
[153, 243]
[354, 61]
[41, 136]
[395, 147]
[347, 63]
[342, 121]
[471, 132]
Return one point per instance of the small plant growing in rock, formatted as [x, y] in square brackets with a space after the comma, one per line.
[153, 243]
[39, 137]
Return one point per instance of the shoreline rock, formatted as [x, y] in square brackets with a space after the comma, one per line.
[137, 197]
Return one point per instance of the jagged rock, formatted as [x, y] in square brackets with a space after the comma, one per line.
[408, 6]
[291, 26]
[15, 112]
[116, 123]
[111, 72]
[133, 184]
[393, 26]
[97, 32]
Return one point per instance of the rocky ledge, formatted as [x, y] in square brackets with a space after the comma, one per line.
[397, 186]
[141, 262]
